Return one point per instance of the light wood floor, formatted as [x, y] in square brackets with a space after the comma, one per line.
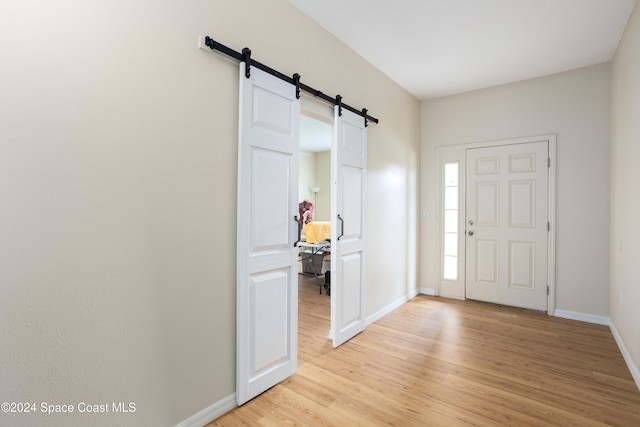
[440, 362]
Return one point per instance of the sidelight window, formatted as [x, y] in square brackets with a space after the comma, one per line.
[451, 215]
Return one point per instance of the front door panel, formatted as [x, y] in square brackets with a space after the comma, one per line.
[507, 224]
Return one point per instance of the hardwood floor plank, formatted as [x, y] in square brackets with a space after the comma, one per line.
[540, 412]
[440, 362]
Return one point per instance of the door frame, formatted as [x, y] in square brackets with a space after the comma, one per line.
[456, 153]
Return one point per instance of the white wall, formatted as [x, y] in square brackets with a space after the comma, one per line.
[624, 301]
[573, 105]
[315, 171]
[118, 172]
[307, 175]
[323, 181]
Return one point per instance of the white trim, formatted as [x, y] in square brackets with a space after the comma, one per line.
[583, 317]
[414, 293]
[551, 241]
[389, 308]
[635, 372]
[511, 141]
[211, 413]
[428, 291]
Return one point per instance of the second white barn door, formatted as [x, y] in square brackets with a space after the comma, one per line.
[348, 172]
[507, 224]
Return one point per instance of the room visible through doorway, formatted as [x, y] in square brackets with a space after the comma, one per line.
[314, 302]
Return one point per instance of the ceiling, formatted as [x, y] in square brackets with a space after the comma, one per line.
[435, 48]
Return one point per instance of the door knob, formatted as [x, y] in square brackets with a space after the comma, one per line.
[471, 233]
[471, 222]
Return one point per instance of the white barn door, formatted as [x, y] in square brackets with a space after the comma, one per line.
[267, 276]
[507, 224]
[348, 173]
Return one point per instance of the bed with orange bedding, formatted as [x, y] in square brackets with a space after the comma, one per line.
[317, 231]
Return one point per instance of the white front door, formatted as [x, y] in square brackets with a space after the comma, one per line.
[507, 224]
[348, 169]
[267, 277]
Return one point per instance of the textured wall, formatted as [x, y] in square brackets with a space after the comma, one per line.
[625, 203]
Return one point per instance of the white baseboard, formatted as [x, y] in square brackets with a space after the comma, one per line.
[428, 291]
[583, 317]
[635, 372]
[414, 293]
[209, 414]
[386, 310]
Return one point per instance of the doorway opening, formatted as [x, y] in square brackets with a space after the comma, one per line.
[314, 261]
